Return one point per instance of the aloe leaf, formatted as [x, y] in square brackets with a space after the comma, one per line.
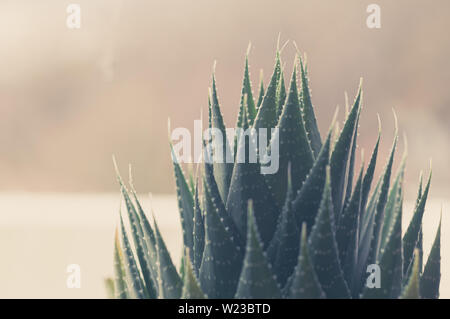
[222, 258]
[347, 232]
[181, 267]
[213, 201]
[412, 233]
[306, 203]
[303, 284]
[243, 124]
[120, 284]
[390, 260]
[221, 146]
[267, 112]
[149, 238]
[420, 241]
[142, 251]
[293, 146]
[412, 288]
[341, 153]
[191, 286]
[419, 246]
[261, 90]
[170, 283]
[351, 165]
[420, 190]
[395, 196]
[366, 227]
[247, 94]
[309, 117]
[431, 277]
[109, 287]
[378, 220]
[248, 183]
[134, 280]
[185, 203]
[324, 250]
[368, 177]
[199, 233]
[209, 111]
[283, 249]
[368, 214]
[281, 93]
[256, 279]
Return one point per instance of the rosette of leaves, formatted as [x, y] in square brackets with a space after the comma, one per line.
[308, 231]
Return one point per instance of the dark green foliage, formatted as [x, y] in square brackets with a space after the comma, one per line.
[185, 203]
[324, 250]
[199, 234]
[283, 249]
[411, 237]
[169, 280]
[431, 277]
[307, 202]
[261, 91]
[293, 146]
[191, 286]
[309, 117]
[310, 230]
[257, 279]
[340, 156]
[222, 257]
[267, 112]
[248, 183]
[303, 284]
[222, 169]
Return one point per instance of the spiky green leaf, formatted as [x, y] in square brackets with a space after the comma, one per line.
[267, 112]
[199, 234]
[221, 146]
[390, 260]
[222, 258]
[341, 153]
[411, 236]
[431, 277]
[309, 118]
[281, 93]
[375, 242]
[185, 202]
[134, 281]
[191, 286]
[293, 146]
[347, 232]
[324, 250]
[257, 279]
[303, 284]
[412, 288]
[248, 183]
[283, 249]
[170, 283]
[120, 284]
[261, 90]
[306, 203]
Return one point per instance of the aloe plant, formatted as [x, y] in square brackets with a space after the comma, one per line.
[309, 231]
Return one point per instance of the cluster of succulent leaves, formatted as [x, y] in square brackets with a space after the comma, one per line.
[308, 231]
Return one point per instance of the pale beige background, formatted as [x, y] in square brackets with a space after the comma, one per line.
[69, 99]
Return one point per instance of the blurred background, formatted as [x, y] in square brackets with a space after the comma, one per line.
[70, 98]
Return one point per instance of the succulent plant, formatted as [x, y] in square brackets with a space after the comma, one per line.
[308, 231]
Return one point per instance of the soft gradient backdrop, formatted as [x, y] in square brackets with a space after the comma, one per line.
[69, 99]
